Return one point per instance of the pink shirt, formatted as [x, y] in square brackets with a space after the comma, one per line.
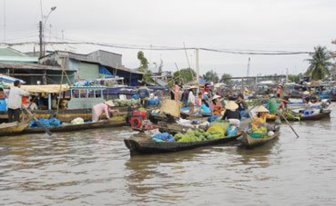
[98, 109]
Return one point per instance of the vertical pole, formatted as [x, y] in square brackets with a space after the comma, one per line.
[41, 39]
[44, 77]
[197, 65]
[4, 18]
[49, 101]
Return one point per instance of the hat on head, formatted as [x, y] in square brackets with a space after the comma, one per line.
[231, 105]
[216, 97]
[305, 92]
[109, 103]
[193, 87]
[261, 108]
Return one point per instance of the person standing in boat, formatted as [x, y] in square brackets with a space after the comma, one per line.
[101, 108]
[192, 99]
[15, 102]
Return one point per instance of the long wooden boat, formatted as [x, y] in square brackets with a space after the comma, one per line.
[62, 115]
[323, 114]
[251, 142]
[78, 127]
[12, 128]
[142, 144]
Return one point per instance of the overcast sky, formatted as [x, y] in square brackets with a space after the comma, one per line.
[287, 25]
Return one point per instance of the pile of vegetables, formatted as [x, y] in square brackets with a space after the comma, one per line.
[126, 102]
[196, 135]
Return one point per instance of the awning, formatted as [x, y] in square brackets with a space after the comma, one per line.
[8, 79]
[49, 88]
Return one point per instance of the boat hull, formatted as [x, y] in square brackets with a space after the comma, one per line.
[144, 145]
[250, 142]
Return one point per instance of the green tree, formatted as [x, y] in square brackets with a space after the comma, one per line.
[226, 78]
[147, 74]
[184, 75]
[295, 77]
[319, 63]
[211, 76]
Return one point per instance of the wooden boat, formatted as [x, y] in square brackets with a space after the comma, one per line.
[142, 144]
[325, 113]
[251, 142]
[12, 128]
[78, 127]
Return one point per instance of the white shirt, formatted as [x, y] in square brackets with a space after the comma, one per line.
[15, 97]
[191, 98]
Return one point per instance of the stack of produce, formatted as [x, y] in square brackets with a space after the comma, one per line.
[126, 102]
[197, 135]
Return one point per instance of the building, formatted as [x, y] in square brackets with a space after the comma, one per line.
[19, 65]
[92, 66]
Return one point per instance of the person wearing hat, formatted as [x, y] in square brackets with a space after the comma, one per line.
[192, 99]
[260, 119]
[101, 108]
[216, 106]
[232, 113]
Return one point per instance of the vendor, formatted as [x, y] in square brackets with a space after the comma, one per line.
[101, 108]
[15, 101]
[242, 106]
[205, 109]
[259, 121]
[232, 113]
[192, 99]
[217, 107]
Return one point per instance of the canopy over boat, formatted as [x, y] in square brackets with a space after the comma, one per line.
[50, 88]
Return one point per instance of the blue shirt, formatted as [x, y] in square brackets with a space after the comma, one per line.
[205, 109]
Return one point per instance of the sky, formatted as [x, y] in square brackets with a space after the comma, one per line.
[270, 25]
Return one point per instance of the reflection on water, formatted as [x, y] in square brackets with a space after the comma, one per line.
[95, 168]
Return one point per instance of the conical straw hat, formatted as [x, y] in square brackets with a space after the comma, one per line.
[109, 103]
[261, 108]
[231, 105]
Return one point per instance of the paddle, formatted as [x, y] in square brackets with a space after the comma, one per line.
[37, 121]
[297, 136]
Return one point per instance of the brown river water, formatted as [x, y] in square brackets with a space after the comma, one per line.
[95, 168]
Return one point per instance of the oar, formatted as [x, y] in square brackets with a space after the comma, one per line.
[297, 136]
[38, 122]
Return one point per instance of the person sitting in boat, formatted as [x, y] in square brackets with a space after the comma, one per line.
[314, 103]
[232, 113]
[143, 94]
[259, 124]
[242, 106]
[2, 93]
[279, 91]
[101, 108]
[204, 108]
[216, 106]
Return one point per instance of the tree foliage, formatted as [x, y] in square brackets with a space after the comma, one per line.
[147, 74]
[226, 78]
[319, 63]
[184, 75]
[295, 77]
[211, 76]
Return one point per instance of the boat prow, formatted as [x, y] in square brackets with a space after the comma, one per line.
[251, 142]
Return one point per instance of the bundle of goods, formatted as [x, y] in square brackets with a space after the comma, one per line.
[52, 122]
[163, 137]
[215, 131]
[125, 102]
[153, 101]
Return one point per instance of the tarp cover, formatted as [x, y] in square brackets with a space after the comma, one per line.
[49, 88]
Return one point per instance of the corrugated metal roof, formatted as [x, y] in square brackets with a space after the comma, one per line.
[19, 59]
[11, 52]
[100, 57]
[30, 66]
